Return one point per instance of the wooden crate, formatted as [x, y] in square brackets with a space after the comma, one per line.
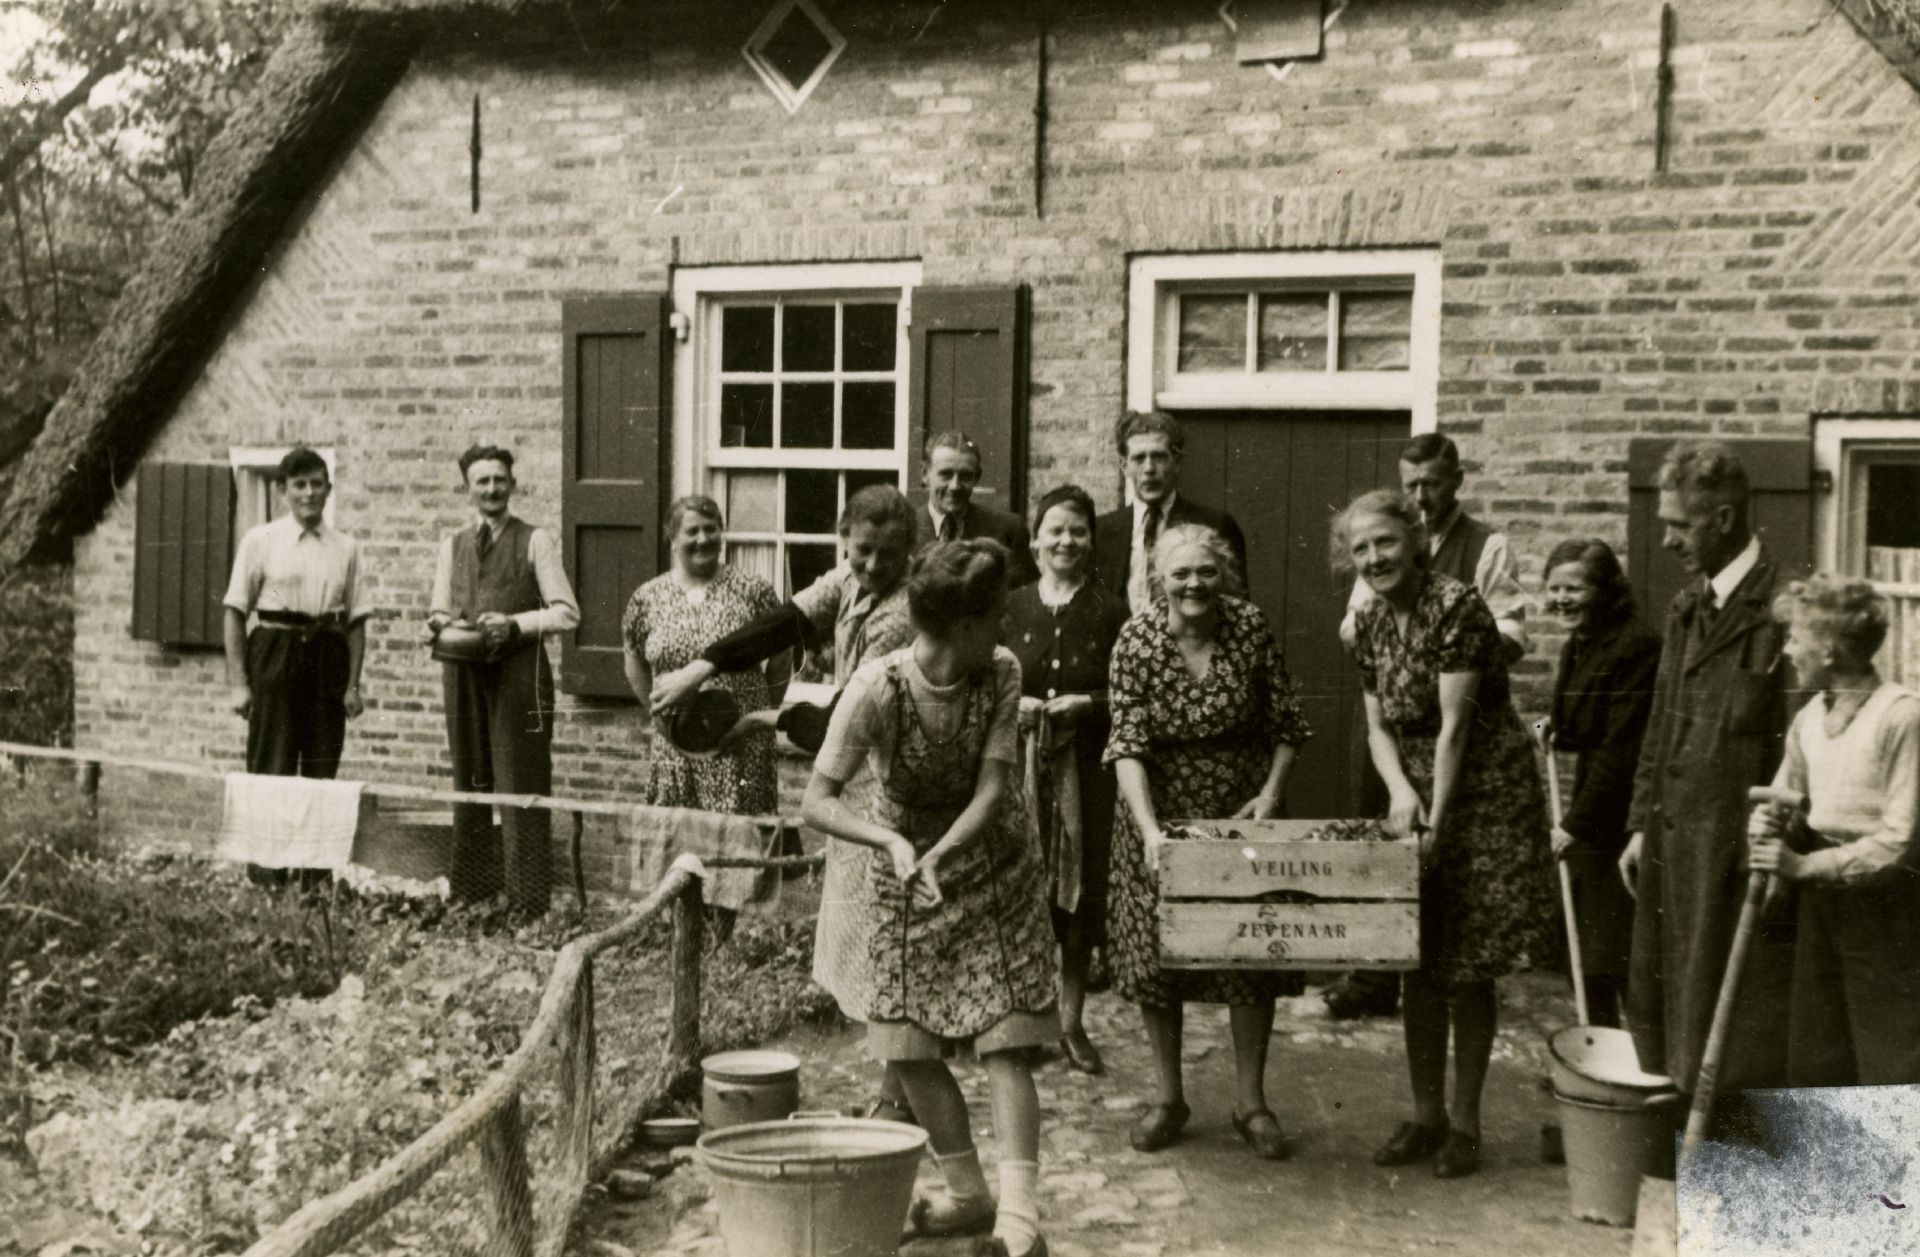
[1347, 905]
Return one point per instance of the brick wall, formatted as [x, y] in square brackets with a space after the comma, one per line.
[1587, 300]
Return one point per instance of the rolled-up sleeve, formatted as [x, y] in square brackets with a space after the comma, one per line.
[357, 597]
[1498, 579]
[1874, 854]
[441, 603]
[561, 614]
[243, 589]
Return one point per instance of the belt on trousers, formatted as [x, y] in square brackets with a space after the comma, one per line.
[307, 625]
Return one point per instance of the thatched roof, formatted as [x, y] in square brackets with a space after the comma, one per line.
[314, 97]
[312, 103]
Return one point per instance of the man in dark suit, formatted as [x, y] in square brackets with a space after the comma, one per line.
[1719, 718]
[1150, 444]
[949, 470]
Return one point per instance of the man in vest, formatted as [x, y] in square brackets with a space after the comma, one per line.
[1717, 729]
[949, 471]
[1467, 550]
[504, 578]
[1150, 444]
[295, 678]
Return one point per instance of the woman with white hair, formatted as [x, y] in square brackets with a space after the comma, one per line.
[1854, 1016]
[1205, 724]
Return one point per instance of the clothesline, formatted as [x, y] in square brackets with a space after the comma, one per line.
[383, 790]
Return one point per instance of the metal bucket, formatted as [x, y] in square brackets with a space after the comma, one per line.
[742, 1087]
[1598, 1064]
[813, 1186]
[1609, 1148]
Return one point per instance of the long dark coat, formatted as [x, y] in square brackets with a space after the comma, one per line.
[1719, 719]
[1602, 698]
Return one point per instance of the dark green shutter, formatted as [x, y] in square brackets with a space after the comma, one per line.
[183, 552]
[613, 454]
[968, 363]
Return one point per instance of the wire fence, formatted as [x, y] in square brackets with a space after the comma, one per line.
[505, 1173]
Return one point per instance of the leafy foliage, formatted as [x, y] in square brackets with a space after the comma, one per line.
[36, 640]
[111, 109]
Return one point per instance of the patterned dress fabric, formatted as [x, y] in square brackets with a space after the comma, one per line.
[1207, 745]
[978, 966]
[1067, 650]
[669, 630]
[863, 627]
[1488, 907]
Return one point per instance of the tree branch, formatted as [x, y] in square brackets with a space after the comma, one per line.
[54, 116]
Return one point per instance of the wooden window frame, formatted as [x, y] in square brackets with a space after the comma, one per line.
[700, 294]
[1156, 282]
[263, 462]
[1838, 441]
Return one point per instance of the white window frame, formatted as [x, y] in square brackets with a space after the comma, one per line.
[792, 96]
[260, 463]
[1836, 439]
[1154, 286]
[698, 297]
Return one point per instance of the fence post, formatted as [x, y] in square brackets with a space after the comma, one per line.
[579, 874]
[503, 1154]
[689, 941]
[576, 1081]
[90, 787]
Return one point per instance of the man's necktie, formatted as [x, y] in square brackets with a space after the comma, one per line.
[949, 528]
[1152, 531]
[483, 542]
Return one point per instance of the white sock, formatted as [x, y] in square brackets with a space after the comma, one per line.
[966, 1181]
[1018, 1222]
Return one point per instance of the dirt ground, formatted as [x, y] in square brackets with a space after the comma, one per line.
[1339, 1089]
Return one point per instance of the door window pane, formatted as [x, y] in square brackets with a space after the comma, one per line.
[808, 562]
[869, 336]
[858, 480]
[746, 416]
[752, 498]
[746, 338]
[1893, 492]
[806, 416]
[1213, 332]
[1293, 331]
[1376, 331]
[806, 338]
[813, 501]
[867, 414]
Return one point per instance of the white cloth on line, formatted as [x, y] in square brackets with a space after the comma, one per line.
[289, 822]
[658, 834]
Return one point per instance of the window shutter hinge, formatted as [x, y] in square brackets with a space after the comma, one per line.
[682, 326]
[1822, 481]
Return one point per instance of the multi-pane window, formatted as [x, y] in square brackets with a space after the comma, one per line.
[1249, 331]
[1882, 542]
[807, 407]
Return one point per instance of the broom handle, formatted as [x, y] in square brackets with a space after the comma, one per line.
[1566, 885]
[1708, 1076]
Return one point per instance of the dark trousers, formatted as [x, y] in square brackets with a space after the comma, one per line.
[500, 730]
[1855, 1016]
[297, 725]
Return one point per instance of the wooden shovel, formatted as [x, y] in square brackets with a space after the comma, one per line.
[1545, 728]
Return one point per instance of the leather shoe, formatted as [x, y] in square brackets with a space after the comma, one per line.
[1412, 1142]
[1261, 1131]
[1160, 1126]
[1080, 1053]
[937, 1215]
[1459, 1156]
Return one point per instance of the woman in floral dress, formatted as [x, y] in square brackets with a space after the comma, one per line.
[1205, 724]
[1461, 779]
[960, 953]
[668, 622]
[1063, 629]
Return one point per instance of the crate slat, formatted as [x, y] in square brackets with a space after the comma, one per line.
[1213, 935]
[1243, 868]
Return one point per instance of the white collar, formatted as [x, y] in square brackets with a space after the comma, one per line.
[1436, 536]
[318, 531]
[1728, 578]
[939, 516]
[492, 528]
[1166, 508]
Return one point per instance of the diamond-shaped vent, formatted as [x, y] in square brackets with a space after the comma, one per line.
[792, 50]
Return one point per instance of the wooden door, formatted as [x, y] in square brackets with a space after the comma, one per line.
[1283, 474]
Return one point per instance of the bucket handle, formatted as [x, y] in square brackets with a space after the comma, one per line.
[1662, 1098]
[813, 1114]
